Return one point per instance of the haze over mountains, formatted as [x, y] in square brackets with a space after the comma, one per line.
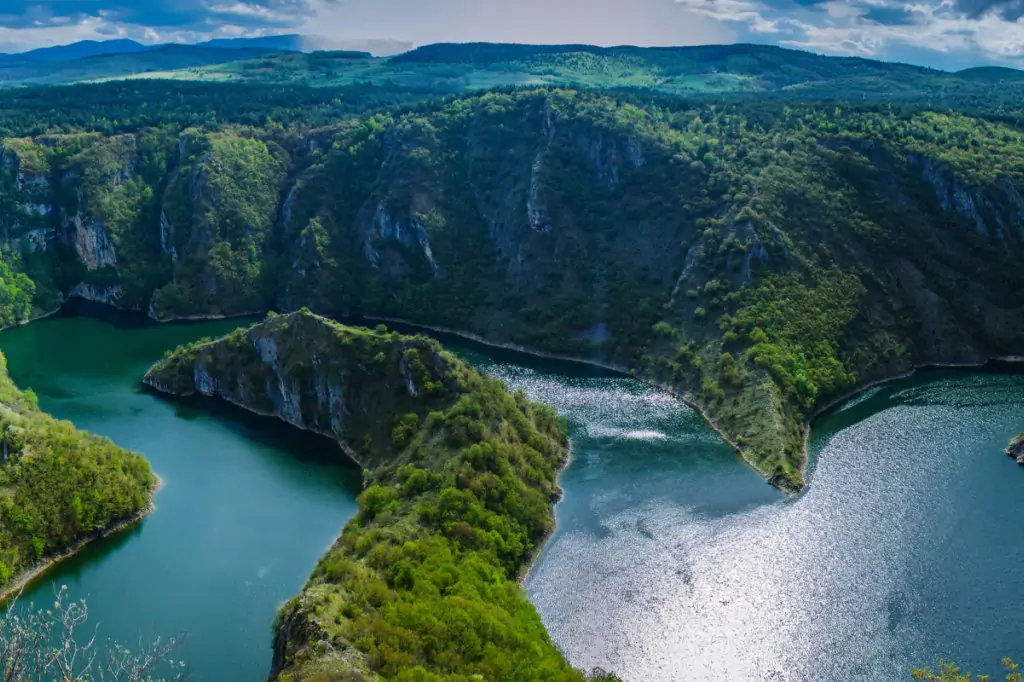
[283, 43]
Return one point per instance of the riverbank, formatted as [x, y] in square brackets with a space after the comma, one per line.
[42, 315]
[524, 572]
[149, 382]
[16, 586]
[691, 402]
[685, 398]
[853, 393]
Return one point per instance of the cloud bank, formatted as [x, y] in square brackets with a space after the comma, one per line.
[943, 33]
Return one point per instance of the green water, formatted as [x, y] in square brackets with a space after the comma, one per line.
[672, 560]
[248, 505]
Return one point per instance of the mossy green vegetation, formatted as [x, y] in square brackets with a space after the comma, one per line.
[460, 483]
[58, 486]
[761, 258]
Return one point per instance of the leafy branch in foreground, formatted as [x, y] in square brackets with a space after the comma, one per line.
[54, 644]
[949, 672]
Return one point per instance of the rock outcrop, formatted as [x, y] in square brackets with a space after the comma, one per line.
[461, 483]
[317, 375]
[1016, 448]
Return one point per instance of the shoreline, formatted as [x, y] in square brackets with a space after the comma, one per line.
[345, 447]
[199, 318]
[527, 568]
[854, 392]
[690, 402]
[684, 398]
[17, 585]
[41, 316]
[524, 571]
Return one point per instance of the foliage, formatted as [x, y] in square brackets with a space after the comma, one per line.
[422, 583]
[949, 672]
[58, 485]
[50, 644]
[760, 256]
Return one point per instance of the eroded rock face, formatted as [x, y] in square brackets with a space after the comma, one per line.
[93, 245]
[315, 374]
[1016, 449]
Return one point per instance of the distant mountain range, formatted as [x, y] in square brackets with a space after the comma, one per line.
[281, 43]
[322, 62]
[91, 60]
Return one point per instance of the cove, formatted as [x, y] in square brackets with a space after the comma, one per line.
[247, 507]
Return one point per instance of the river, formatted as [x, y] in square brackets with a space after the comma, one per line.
[247, 507]
[672, 559]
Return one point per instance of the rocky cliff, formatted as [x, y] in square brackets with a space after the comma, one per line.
[343, 382]
[460, 487]
[761, 261]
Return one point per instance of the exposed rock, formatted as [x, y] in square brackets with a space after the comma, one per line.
[1016, 448]
[109, 295]
[167, 237]
[537, 211]
[314, 374]
[388, 229]
[92, 244]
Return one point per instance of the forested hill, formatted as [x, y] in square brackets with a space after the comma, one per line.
[761, 258]
[699, 71]
[694, 71]
[60, 487]
[461, 482]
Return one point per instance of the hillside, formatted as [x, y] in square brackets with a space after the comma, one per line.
[461, 482]
[59, 487]
[710, 70]
[759, 260]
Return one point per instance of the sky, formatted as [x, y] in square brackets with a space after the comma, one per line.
[942, 33]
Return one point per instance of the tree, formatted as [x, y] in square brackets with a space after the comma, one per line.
[54, 644]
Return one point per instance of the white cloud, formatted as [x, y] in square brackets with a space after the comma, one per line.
[930, 31]
[252, 11]
[600, 22]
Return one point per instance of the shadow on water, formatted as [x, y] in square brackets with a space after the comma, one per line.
[275, 435]
[248, 506]
[494, 354]
[75, 567]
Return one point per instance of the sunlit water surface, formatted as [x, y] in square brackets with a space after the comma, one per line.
[672, 560]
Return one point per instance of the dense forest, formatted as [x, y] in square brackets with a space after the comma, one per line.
[58, 486]
[460, 482]
[760, 259]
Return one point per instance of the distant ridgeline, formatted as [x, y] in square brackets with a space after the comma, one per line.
[422, 585]
[59, 487]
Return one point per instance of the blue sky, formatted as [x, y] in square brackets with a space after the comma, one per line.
[942, 33]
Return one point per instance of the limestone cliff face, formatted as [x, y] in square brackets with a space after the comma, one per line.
[346, 383]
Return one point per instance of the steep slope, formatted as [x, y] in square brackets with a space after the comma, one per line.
[461, 481]
[760, 260]
[59, 487]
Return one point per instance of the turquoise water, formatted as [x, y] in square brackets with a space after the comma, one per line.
[247, 507]
[672, 559]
